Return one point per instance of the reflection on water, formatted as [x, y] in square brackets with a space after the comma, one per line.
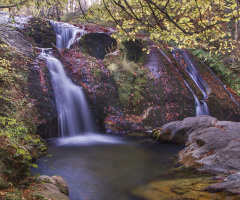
[106, 167]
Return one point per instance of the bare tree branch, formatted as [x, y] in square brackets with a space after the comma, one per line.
[113, 17]
[155, 17]
[176, 24]
[82, 11]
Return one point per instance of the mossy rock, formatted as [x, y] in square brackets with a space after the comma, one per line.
[223, 109]
[41, 32]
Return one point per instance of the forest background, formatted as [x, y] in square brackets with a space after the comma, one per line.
[210, 28]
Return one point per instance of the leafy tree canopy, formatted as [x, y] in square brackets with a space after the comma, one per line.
[186, 23]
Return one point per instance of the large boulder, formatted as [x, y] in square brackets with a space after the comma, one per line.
[16, 40]
[211, 145]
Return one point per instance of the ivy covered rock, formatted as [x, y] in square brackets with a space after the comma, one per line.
[16, 159]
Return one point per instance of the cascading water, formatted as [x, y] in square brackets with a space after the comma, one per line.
[201, 106]
[73, 114]
[66, 34]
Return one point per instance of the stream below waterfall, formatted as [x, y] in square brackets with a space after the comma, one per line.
[106, 167]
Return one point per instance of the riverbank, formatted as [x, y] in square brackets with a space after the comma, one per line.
[211, 146]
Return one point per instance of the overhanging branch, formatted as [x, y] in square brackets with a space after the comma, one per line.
[14, 5]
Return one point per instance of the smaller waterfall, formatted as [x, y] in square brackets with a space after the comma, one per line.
[66, 34]
[73, 113]
[201, 107]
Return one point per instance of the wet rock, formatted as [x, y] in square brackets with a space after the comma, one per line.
[150, 88]
[49, 191]
[47, 179]
[40, 32]
[211, 145]
[41, 91]
[61, 184]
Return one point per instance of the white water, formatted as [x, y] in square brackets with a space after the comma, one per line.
[66, 34]
[89, 139]
[201, 107]
[12, 20]
[73, 113]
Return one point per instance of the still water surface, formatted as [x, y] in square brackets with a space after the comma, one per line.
[103, 167]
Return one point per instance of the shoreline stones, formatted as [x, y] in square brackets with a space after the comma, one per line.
[212, 146]
[54, 187]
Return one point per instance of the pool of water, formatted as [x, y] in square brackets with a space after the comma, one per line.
[104, 167]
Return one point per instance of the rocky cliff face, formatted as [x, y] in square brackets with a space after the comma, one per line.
[132, 90]
[130, 86]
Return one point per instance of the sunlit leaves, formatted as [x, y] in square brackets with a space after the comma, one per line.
[187, 22]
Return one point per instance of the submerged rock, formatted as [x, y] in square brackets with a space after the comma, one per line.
[177, 187]
[231, 185]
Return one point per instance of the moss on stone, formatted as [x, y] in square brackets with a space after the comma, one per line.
[130, 79]
[41, 32]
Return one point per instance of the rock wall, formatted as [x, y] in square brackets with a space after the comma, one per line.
[130, 93]
[134, 85]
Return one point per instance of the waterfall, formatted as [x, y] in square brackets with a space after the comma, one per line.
[201, 106]
[201, 109]
[73, 114]
[66, 34]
